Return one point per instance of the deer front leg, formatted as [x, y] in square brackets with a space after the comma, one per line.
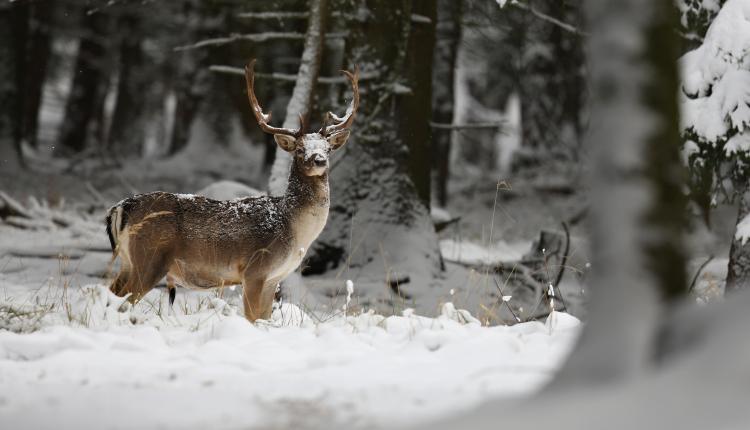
[267, 296]
[252, 298]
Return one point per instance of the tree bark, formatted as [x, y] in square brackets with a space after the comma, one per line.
[414, 123]
[637, 212]
[127, 132]
[38, 52]
[12, 37]
[447, 36]
[88, 83]
[303, 93]
[552, 85]
[738, 273]
[378, 229]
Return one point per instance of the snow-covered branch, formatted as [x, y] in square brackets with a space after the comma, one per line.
[254, 37]
[288, 77]
[552, 20]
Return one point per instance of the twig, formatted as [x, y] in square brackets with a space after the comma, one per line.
[563, 263]
[502, 298]
[552, 20]
[254, 37]
[698, 272]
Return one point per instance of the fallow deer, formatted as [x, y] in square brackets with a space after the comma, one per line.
[257, 241]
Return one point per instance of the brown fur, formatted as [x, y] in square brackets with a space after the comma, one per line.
[203, 243]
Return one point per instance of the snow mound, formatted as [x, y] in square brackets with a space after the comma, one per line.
[228, 190]
[474, 254]
[94, 361]
[716, 76]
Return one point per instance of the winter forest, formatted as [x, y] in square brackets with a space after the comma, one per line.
[461, 214]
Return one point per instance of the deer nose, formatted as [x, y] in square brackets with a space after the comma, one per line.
[320, 160]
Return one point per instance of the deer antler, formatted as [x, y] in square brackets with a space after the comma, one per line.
[341, 123]
[262, 118]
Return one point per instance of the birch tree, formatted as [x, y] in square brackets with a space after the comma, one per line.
[304, 90]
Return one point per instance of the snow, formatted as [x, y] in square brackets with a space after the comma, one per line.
[474, 254]
[716, 76]
[90, 360]
[743, 230]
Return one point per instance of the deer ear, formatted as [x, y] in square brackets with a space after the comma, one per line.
[338, 139]
[286, 142]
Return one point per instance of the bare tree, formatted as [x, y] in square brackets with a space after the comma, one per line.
[379, 227]
[302, 95]
[89, 79]
[13, 31]
[447, 37]
[38, 52]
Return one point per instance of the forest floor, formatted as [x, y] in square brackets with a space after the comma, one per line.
[70, 346]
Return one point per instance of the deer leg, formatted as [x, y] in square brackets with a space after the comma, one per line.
[266, 299]
[171, 289]
[139, 282]
[251, 298]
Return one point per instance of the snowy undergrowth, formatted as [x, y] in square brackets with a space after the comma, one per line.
[91, 361]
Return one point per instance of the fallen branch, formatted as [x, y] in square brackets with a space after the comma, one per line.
[9, 207]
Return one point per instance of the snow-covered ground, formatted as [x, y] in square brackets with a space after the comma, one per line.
[77, 357]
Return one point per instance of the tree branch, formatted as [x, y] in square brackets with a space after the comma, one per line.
[255, 37]
[287, 77]
[478, 125]
[552, 20]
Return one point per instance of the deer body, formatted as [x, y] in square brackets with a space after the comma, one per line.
[255, 241]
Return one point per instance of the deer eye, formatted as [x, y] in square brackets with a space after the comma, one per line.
[300, 151]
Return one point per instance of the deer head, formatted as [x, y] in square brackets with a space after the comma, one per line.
[311, 150]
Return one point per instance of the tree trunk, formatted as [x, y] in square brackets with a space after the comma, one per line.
[127, 132]
[379, 228]
[414, 123]
[448, 36]
[552, 81]
[637, 212]
[88, 82]
[738, 274]
[303, 93]
[38, 52]
[12, 36]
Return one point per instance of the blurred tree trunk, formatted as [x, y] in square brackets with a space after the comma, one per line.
[552, 86]
[414, 123]
[447, 36]
[13, 31]
[39, 49]
[738, 274]
[303, 93]
[127, 132]
[189, 79]
[89, 82]
[637, 212]
[378, 225]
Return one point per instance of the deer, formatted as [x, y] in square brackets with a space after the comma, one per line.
[200, 243]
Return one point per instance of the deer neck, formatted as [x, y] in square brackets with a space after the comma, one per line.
[307, 200]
